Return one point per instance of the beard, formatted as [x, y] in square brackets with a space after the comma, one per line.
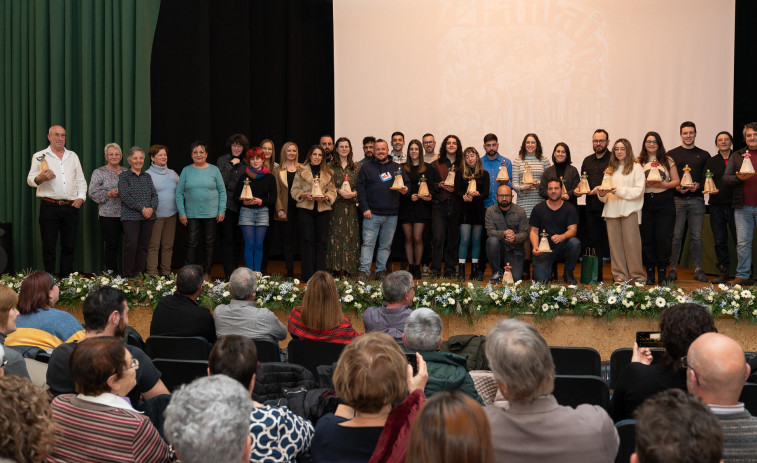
[598, 149]
[120, 330]
[504, 204]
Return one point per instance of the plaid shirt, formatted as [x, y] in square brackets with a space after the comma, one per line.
[341, 334]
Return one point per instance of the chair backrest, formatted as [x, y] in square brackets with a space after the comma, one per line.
[627, 433]
[576, 361]
[178, 347]
[622, 357]
[274, 377]
[175, 372]
[310, 354]
[268, 351]
[37, 372]
[749, 397]
[574, 390]
[133, 338]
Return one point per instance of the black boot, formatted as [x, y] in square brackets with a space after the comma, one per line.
[526, 270]
[461, 271]
[662, 275]
[650, 275]
[416, 271]
[724, 276]
[554, 271]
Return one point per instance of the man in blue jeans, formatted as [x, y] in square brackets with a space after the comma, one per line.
[744, 204]
[559, 219]
[380, 206]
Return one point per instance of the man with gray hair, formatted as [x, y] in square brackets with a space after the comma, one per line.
[390, 318]
[179, 314]
[535, 427]
[241, 316]
[446, 371]
[208, 419]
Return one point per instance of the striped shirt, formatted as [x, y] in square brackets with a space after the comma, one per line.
[344, 333]
[528, 198]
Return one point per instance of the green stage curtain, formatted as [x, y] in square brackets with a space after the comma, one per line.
[82, 64]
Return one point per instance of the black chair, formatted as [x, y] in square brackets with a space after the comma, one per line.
[749, 397]
[574, 390]
[576, 361]
[626, 431]
[268, 351]
[177, 347]
[622, 357]
[175, 372]
[310, 354]
[133, 338]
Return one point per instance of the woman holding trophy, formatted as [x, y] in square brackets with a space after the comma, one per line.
[343, 255]
[472, 186]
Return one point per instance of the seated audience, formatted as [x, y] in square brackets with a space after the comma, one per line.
[207, 421]
[27, 429]
[39, 325]
[535, 427]
[8, 312]
[716, 371]
[399, 292]
[675, 427]
[372, 373]
[99, 424]
[179, 314]
[450, 428]
[446, 371]
[277, 434]
[105, 314]
[241, 316]
[680, 325]
[320, 316]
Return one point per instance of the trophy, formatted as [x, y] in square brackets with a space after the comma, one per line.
[746, 166]
[654, 173]
[450, 180]
[502, 175]
[398, 183]
[508, 276]
[606, 181]
[686, 181]
[346, 184]
[709, 184]
[544, 242]
[423, 187]
[583, 185]
[528, 178]
[246, 191]
[564, 188]
[43, 165]
[317, 192]
[471, 186]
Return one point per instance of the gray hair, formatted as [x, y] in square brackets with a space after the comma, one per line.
[112, 145]
[423, 330]
[396, 284]
[208, 420]
[520, 358]
[189, 279]
[242, 284]
[751, 125]
[133, 150]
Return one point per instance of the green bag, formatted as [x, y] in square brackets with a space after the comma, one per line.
[589, 267]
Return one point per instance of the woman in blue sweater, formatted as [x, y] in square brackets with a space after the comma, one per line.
[164, 229]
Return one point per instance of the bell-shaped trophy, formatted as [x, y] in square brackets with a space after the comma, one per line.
[528, 177]
[471, 186]
[746, 166]
[583, 185]
[43, 165]
[317, 192]
[398, 182]
[346, 184]
[606, 181]
[544, 242]
[507, 278]
[564, 188]
[423, 187]
[654, 173]
[502, 175]
[246, 191]
[686, 181]
[709, 184]
[450, 180]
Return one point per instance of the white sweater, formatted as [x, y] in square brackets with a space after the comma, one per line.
[629, 196]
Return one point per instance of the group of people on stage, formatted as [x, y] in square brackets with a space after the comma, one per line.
[347, 212]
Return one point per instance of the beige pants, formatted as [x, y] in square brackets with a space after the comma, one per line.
[625, 248]
[162, 235]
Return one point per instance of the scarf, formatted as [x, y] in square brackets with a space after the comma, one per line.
[256, 174]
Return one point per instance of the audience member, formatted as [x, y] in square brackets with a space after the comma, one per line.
[241, 316]
[99, 424]
[399, 292]
[27, 428]
[535, 427]
[208, 419]
[105, 314]
[179, 314]
[446, 371]
[675, 427]
[722, 217]
[507, 231]
[716, 371]
[320, 316]
[276, 433]
[680, 325]
[8, 312]
[103, 189]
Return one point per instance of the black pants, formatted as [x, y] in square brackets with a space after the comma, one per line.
[444, 229]
[55, 219]
[231, 242]
[111, 230]
[721, 220]
[290, 235]
[597, 236]
[658, 218]
[205, 228]
[314, 234]
[136, 239]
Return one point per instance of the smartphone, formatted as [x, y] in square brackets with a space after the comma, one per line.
[649, 339]
[413, 361]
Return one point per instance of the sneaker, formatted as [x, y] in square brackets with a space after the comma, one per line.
[672, 275]
[362, 276]
[496, 278]
[380, 275]
[700, 276]
[569, 278]
[425, 271]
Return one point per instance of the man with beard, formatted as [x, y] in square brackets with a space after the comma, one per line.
[506, 230]
[429, 148]
[105, 314]
[594, 166]
[398, 145]
[492, 162]
[368, 143]
[327, 145]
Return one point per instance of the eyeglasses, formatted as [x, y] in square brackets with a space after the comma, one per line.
[620, 148]
[504, 196]
[685, 364]
[429, 142]
[4, 364]
[651, 142]
[599, 142]
[134, 364]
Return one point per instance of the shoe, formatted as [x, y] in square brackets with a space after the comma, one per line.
[662, 275]
[700, 276]
[526, 270]
[496, 278]
[435, 274]
[650, 276]
[724, 276]
[461, 272]
[672, 275]
[425, 271]
[380, 275]
[416, 272]
[362, 276]
[478, 275]
[290, 274]
[742, 281]
[569, 278]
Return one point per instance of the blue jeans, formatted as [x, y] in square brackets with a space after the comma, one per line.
[379, 228]
[746, 220]
[465, 238]
[721, 219]
[497, 253]
[691, 209]
[569, 250]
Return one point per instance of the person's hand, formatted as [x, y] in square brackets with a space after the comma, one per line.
[282, 215]
[467, 198]
[248, 202]
[535, 251]
[419, 380]
[113, 193]
[641, 355]
[220, 217]
[474, 193]
[654, 184]
[525, 186]
[403, 190]
[694, 187]
[510, 235]
[44, 176]
[183, 220]
[235, 161]
[565, 197]
[257, 201]
[342, 193]
[426, 198]
[413, 197]
[451, 189]
[681, 189]
[77, 203]
[594, 191]
[147, 212]
[577, 192]
[743, 177]
[367, 214]
[557, 239]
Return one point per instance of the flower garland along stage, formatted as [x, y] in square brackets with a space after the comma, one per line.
[466, 300]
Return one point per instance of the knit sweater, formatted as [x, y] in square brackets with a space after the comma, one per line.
[46, 329]
[164, 180]
[739, 436]
[137, 192]
[102, 181]
[201, 193]
[629, 196]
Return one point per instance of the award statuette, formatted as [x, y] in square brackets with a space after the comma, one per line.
[564, 188]
[746, 166]
[686, 181]
[508, 276]
[471, 186]
[317, 192]
[528, 177]
[43, 165]
[423, 187]
[583, 185]
[246, 191]
[346, 184]
[654, 173]
[450, 180]
[606, 181]
[398, 182]
[544, 242]
[502, 175]
[709, 184]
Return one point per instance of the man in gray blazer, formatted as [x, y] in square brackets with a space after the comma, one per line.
[506, 230]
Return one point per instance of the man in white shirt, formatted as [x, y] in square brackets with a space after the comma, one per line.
[62, 188]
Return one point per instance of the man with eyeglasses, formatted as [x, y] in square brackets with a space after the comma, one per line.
[594, 166]
[506, 230]
[429, 148]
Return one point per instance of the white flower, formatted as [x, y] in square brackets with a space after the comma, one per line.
[226, 294]
[572, 286]
[296, 281]
[83, 297]
[746, 294]
[629, 295]
[78, 290]
[348, 291]
[659, 302]
[493, 295]
[595, 299]
[450, 301]
[544, 307]
[358, 305]
[612, 300]
[735, 304]
[348, 298]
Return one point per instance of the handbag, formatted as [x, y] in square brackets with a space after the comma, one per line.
[589, 267]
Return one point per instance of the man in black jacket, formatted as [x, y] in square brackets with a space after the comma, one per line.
[179, 314]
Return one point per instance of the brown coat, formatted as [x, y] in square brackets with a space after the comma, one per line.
[303, 183]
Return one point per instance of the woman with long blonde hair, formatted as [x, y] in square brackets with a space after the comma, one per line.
[320, 316]
[286, 205]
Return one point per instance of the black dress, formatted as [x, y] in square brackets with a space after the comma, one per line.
[417, 211]
[471, 212]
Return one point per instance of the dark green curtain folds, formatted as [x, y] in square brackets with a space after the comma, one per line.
[81, 64]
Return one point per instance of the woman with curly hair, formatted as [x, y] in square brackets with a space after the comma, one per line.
[27, 428]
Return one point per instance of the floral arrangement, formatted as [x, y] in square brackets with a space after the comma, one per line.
[448, 298]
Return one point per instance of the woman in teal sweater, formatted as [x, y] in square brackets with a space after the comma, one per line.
[201, 201]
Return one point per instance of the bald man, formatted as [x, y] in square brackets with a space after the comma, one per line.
[716, 371]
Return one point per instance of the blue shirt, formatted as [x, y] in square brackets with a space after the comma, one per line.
[493, 166]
